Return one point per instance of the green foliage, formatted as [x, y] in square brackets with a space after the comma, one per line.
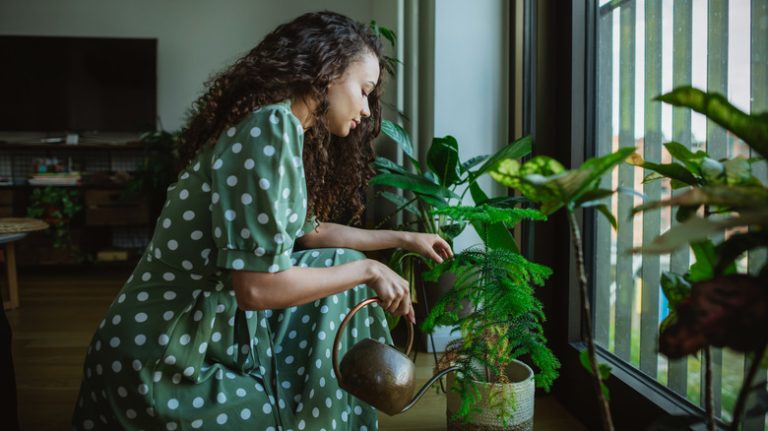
[710, 305]
[753, 129]
[603, 369]
[545, 181]
[504, 322]
[442, 182]
[56, 206]
[157, 170]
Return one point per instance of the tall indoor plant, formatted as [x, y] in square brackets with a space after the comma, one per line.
[491, 302]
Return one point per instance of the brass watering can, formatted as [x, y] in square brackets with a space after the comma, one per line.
[377, 373]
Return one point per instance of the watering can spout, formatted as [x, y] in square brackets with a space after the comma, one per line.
[377, 373]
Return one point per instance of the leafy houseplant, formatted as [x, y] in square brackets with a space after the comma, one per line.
[491, 302]
[504, 322]
[440, 183]
[545, 181]
[56, 206]
[711, 304]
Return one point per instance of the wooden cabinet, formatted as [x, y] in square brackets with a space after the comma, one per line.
[110, 224]
[112, 208]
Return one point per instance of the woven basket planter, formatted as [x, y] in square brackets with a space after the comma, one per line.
[518, 395]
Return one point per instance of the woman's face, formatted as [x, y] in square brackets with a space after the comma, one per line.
[348, 95]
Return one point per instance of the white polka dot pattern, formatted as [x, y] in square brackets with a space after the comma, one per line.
[177, 324]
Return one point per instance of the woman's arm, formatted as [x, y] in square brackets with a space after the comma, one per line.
[336, 235]
[297, 286]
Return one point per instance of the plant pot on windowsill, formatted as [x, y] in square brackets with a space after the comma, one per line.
[500, 405]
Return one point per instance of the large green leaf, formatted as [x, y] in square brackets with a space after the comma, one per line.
[384, 165]
[443, 160]
[530, 178]
[753, 129]
[400, 136]
[578, 181]
[474, 161]
[674, 171]
[734, 197]
[704, 267]
[515, 150]
[411, 182]
[691, 160]
[697, 229]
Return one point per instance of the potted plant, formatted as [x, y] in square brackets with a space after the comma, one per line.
[56, 206]
[546, 182]
[492, 387]
[443, 181]
[489, 300]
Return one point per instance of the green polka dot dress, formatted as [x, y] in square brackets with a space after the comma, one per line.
[175, 352]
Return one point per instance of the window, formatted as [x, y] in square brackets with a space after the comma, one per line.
[644, 49]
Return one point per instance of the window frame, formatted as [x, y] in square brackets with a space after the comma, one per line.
[559, 41]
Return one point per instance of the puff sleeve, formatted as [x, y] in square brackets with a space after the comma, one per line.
[258, 199]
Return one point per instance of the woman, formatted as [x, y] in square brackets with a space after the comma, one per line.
[228, 320]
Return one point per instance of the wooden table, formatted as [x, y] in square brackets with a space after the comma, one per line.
[11, 230]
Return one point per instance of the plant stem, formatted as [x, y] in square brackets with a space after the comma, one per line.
[745, 387]
[605, 411]
[709, 403]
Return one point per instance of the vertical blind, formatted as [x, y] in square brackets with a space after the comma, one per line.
[646, 48]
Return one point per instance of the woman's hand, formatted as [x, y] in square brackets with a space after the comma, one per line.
[429, 245]
[393, 290]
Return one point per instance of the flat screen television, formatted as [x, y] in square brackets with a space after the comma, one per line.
[77, 84]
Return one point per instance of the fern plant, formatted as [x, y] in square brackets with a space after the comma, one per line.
[505, 320]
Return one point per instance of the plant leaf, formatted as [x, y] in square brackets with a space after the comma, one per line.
[729, 250]
[577, 181]
[722, 312]
[691, 161]
[410, 182]
[753, 129]
[695, 229]
[606, 212]
[385, 165]
[591, 196]
[399, 135]
[514, 150]
[443, 160]
[674, 171]
[675, 288]
[474, 161]
[704, 267]
[735, 197]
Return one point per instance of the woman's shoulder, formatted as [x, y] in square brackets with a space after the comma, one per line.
[273, 121]
[273, 115]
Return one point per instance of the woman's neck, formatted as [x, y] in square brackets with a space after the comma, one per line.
[303, 109]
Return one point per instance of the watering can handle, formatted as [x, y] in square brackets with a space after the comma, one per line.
[343, 325]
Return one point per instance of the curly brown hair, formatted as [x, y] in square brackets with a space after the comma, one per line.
[300, 59]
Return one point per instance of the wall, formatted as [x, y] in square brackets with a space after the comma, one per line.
[470, 81]
[196, 38]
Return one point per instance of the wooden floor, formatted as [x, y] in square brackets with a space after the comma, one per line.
[59, 313]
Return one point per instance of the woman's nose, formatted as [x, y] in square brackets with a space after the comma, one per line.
[366, 112]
